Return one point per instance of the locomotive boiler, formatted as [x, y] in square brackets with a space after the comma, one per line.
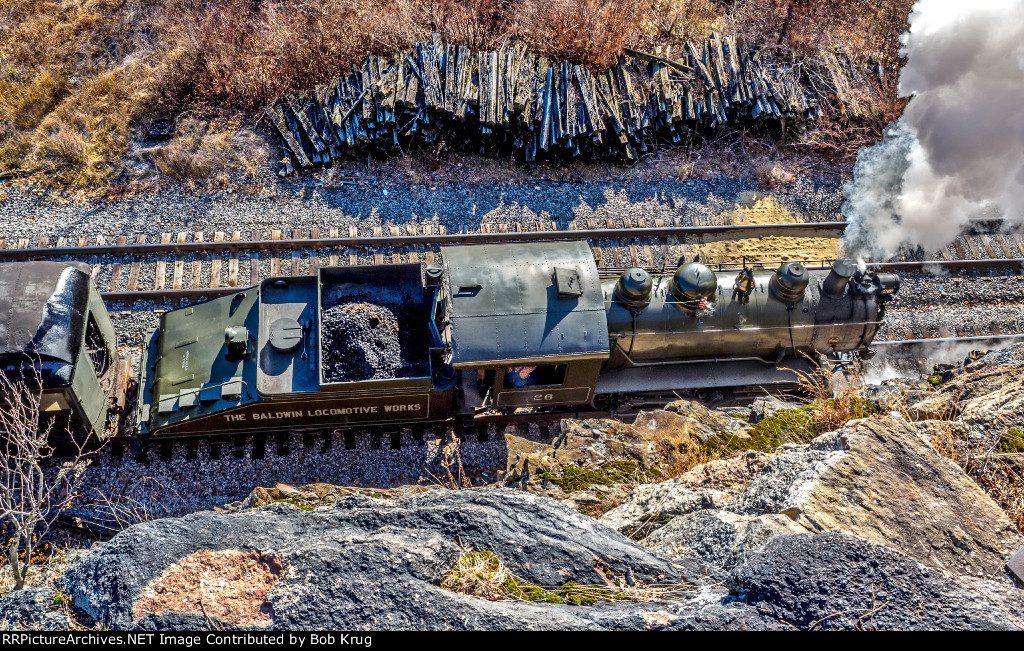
[696, 328]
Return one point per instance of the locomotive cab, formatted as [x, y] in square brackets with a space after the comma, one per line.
[55, 332]
[525, 323]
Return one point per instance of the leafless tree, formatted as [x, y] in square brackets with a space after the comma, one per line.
[35, 487]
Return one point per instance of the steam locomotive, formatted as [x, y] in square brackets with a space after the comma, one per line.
[507, 326]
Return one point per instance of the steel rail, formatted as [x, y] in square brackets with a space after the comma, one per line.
[409, 240]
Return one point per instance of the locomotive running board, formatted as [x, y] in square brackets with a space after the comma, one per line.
[703, 375]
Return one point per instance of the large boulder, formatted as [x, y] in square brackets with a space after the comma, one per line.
[838, 581]
[34, 609]
[708, 486]
[892, 487]
[878, 478]
[726, 536]
[371, 563]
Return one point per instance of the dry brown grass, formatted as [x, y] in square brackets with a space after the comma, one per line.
[1003, 479]
[198, 150]
[78, 77]
[833, 396]
[479, 574]
[771, 174]
[586, 31]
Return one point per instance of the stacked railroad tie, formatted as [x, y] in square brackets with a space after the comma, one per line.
[512, 101]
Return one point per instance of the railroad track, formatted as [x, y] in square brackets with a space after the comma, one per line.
[919, 354]
[342, 454]
[189, 265]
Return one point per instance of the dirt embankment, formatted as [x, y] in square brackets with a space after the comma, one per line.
[758, 208]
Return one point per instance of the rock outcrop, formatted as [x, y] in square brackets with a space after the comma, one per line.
[989, 395]
[837, 581]
[708, 486]
[877, 478]
[34, 608]
[367, 563]
[594, 462]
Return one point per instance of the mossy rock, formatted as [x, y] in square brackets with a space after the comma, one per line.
[574, 479]
[1012, 442]
[487, 566]
[794, 425]
[784, 426]
[295, 502]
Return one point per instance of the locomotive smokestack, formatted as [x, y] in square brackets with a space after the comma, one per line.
[835, 284]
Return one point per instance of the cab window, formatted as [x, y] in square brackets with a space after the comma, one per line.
[517, 377]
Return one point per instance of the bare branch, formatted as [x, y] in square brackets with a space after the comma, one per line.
[35, 486]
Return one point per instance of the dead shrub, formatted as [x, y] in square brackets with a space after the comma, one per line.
[591, 32]
[247, 54]
[36, 485]
[477, 24]
[193, 153]
[453, 475]
[674, 22]
[772, 175]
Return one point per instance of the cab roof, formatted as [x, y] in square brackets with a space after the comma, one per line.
[536, 302]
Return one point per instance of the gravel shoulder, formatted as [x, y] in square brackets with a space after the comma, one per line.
[316, 203]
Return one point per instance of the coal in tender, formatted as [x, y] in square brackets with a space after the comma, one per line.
[369, 341]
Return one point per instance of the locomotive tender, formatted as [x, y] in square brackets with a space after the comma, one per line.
[494, 326]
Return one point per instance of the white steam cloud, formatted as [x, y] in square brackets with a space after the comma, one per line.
[957, 153]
